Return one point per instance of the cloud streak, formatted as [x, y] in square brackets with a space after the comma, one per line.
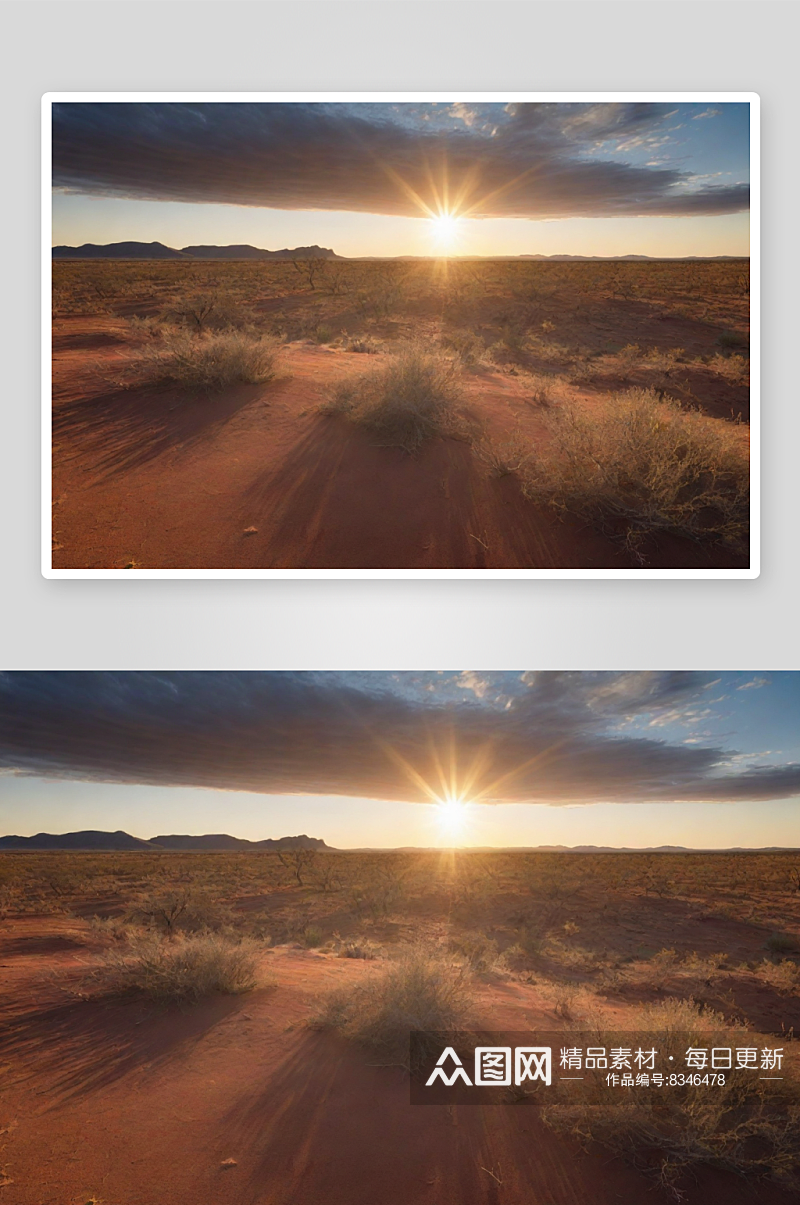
[529, 161]
[556, 738]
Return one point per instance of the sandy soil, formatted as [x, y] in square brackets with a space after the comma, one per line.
[126, 1104]
[255, 478]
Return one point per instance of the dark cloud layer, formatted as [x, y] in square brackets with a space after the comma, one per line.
[533, 160]
[541, 737]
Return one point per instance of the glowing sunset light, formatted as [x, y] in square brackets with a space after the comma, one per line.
[487, 178]
[446, 228]
[452, 815]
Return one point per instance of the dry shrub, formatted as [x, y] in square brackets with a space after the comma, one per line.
[733, 368]
[212, 360]
[184, 969]
[630, 354]
[746, 1126]
[111, 928]
[642, 466]
[541, 390]
[209, 312]
[417, 993]
[468, 348]
[504, 457]
[480, 953]
[783, 976]
[354, 947]
[9, 899]
[362, 344]
[180, 910]
[656, 972]
[663, 359]
[413, 397]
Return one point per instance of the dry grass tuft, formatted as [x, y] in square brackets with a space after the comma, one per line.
[353, 947]
[417, 993]
[185, 969]
[467, 348]
[643, 466]
[212, 360]
[413, 397]
[362, 344]
[504, 457]
[735, 368]
[783, 976]
[745, 1126]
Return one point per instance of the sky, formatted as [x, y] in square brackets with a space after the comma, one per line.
[400, 759]
[406, 179]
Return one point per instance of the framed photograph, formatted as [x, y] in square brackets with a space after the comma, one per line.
[359, 937]
[400, 335]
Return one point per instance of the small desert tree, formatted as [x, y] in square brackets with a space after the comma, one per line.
[298, 861]
[162, 911]
[310, 269]
[325, 875]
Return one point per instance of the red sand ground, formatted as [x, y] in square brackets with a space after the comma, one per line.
[255, 478]
[126, 1104]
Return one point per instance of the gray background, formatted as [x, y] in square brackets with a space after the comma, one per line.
[567, 46]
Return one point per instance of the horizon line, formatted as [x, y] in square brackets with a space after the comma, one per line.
[334, 254]
[589, 848]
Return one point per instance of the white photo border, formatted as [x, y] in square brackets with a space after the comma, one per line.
[750, 98]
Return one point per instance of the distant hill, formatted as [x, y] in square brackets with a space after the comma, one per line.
[682, 258]
[245, 251]
[670, 259]
[159, 251]
[92, 839]
[118, 251]
[221, 841]
[119, 841]
[660, 849]
[89, 839]
[588, 849]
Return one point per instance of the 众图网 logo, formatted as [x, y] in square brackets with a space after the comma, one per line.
[494, 1067]
[485, 1067]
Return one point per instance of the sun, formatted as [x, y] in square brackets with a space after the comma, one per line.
[446, 228]
[452, 817]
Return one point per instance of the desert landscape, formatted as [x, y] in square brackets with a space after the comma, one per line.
[400, 335]
[581, 860]
[213, 1026]
[328, 413]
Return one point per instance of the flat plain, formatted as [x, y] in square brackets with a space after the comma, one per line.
[414, 414]
[233, 1027]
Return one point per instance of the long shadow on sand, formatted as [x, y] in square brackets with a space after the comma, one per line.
[86, 340]
[38, 944]
[86, 1045]
[124, 429]
[339, 500]
[330, 1127]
